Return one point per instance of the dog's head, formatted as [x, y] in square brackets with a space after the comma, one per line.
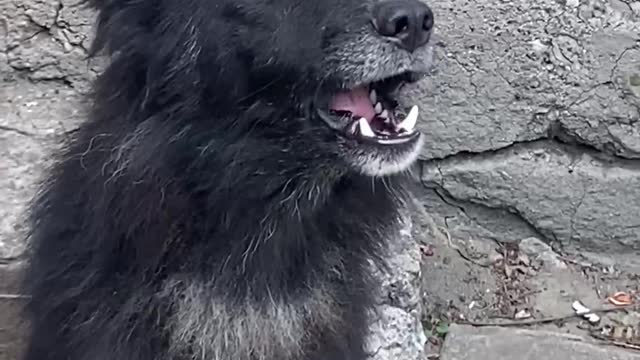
[328, 70]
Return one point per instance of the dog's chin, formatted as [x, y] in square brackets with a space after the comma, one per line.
[376, 161]
[377, 137]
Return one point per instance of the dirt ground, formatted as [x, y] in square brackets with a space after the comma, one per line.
[522, 284]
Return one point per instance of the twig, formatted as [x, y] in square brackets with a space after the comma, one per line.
[575, 262]
[458, 250]
[603, 340]
[621, 344]
[544, 320]
[519, 297]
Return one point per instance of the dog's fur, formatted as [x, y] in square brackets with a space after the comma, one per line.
[203, 211]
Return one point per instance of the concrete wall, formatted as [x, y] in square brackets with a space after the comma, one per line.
[532, 118]
[534, 122]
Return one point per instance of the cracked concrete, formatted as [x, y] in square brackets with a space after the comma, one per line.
[572, 196]
[504, 344]
[510, 70]
[47, 40]
[533, 113]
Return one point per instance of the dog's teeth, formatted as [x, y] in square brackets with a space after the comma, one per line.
[384, 114]
[409, 123]
[373, 96]
[353, 128]
[378, 108]
[365, 129]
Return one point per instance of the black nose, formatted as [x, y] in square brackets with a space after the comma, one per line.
[408, 22]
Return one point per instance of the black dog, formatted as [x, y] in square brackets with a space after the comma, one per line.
[241, 166]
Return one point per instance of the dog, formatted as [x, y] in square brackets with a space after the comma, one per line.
[242, 165]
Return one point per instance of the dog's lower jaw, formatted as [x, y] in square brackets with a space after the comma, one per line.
[380, 164]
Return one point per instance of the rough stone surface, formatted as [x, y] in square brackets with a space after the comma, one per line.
[32, 120]
[568, 195]
[538, 73]
[397, 332]
[46, 40]
[511, 70]
[464, 343]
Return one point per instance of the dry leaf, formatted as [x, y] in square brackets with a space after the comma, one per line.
[621, 299]
[507, 271]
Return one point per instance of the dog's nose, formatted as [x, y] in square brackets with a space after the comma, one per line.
[407, 22]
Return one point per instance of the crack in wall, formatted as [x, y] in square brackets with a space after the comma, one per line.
[556, 131]
[571, 144]
[448, 198]
[17, 131]
[57, 30]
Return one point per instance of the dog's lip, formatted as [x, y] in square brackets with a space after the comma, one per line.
[344, 131]
[353, 119]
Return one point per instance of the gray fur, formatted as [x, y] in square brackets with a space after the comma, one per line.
[365, 57]
[205, 327]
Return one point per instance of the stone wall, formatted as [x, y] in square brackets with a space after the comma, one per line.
[46, 40]
[533, 123]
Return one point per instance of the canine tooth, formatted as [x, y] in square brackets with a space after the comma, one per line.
[353, 128]
[409, 123]
[384, 114]
[373, 96]
[378, 108]
[365, 129]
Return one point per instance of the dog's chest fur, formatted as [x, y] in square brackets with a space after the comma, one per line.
[203, 326]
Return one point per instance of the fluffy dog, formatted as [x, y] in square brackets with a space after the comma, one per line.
[241, 164]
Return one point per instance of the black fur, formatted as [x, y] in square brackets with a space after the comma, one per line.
[203, 166]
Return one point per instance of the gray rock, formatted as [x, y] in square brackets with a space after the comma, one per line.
[517, 78]
[396, 331]
[509, 71]
[47, 40]
[536, 249]
[32, 120]
[464, 343]
[557, 284]
[571, 197]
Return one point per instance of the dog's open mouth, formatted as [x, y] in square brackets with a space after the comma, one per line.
[369, 113]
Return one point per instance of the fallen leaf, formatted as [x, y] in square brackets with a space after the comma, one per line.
[621, 299]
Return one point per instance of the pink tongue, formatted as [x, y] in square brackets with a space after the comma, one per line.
[355, 101]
